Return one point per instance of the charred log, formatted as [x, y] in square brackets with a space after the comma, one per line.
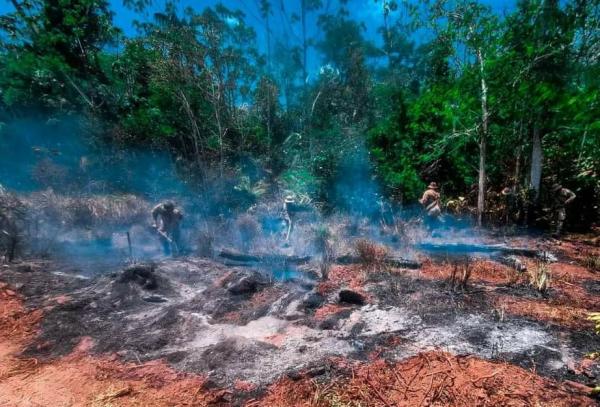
[241, 258]
[142, 274]
[233, 258]
[398, 262]
[466, 248]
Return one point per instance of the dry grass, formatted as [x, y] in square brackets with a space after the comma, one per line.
[12, 214]
[591, 261]
[460, 274]
[370, 253]
[323, 241]
[249, 230]
[539, 277]
[206, 241]
[102, 210]
[428, 379]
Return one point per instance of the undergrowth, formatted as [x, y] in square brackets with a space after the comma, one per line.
[371, 254]
[323, 241]
[461, 273]
[591, 261]
[539, 277]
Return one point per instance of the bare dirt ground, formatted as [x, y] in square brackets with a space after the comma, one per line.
[198, 332]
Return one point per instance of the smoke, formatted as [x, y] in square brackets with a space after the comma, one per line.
[89, 201]
[58, 155]
[83, 196]
[356, 190]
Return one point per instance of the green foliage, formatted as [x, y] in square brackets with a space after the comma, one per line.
[195, 82]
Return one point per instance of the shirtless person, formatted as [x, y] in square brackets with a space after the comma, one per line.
[167, 221]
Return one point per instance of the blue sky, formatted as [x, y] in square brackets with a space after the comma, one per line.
[368, 11]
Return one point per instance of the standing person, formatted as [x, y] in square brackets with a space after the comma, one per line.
[167, 219]
[289, 206]
[561, 197]
[431, 205]
[509, 205]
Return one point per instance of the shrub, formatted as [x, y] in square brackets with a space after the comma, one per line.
[591, 261]
[595, 318]
[324, 246]
[12, 214]
[461, 273]
[249, 230]
[370, 253]
[206, 244]
[539, 277]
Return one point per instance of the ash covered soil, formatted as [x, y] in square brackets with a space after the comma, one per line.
[235, 325]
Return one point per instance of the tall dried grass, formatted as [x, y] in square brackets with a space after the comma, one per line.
[99, 210]
[461, 273]
[539, 277]
[323, 241]
[12, 215]
[591, 261]
[370, 253]
[249, 229]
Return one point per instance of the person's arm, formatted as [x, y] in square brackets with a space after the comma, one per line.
[570, 196]
[155, 212]
[424, 198]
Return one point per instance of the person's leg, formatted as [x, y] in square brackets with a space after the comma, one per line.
[288, 226]
[177, 243]
[560, 220]
[166, 245]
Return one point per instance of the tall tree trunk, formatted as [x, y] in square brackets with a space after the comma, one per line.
[535, 175]
[305, 116]
[386, 29]
[482, 142]
[304, 47]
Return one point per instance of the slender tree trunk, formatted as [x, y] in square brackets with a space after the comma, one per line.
[482, 142]
[304, 46]
[535, 176]
[386, 28]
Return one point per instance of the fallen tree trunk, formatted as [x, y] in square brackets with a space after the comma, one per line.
[466, 248]
[235, 258]
[389, 261]
[242, 258]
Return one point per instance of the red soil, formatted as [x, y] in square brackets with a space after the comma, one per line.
[434, 379]
[545, 311]
[482, 271]
[571, 273]
[80, 379]
[328, 310]
[569, 302]
[351, 276]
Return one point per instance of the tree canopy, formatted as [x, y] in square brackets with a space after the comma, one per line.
[450, 91]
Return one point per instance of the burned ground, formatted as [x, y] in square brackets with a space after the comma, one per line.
[240, 328]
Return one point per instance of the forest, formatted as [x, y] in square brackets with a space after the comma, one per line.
[308, 203]
[292, 96]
